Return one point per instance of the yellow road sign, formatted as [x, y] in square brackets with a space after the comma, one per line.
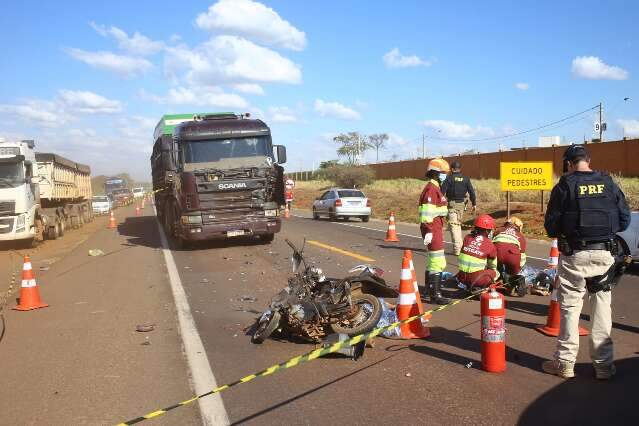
[526, 176]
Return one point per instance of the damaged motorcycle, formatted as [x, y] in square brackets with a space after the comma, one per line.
[313, 306]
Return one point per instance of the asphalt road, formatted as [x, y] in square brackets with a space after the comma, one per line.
[417, 381]
[81, 361]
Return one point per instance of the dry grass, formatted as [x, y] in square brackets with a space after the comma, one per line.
[401, 196]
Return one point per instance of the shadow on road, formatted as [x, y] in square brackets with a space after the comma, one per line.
[309, 392]
[465, 341]
[586, 401]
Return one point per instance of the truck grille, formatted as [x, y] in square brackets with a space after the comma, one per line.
[6, 225]
[7, 207]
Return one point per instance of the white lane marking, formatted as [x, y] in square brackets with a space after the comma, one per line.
[211, 407]
[399, 233]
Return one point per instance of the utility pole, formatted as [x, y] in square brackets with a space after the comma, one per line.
[600, 122]
[423, 145]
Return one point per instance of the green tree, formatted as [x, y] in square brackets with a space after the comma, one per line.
[353, 146]
[378, 141]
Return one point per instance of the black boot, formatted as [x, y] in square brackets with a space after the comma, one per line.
[435, 290]
[424, 291]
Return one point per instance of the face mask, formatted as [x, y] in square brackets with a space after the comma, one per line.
[442, 177]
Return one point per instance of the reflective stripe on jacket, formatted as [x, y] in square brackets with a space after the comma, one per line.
[432, 203]
[478, 253]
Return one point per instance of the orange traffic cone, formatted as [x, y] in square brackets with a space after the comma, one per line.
[138, 212]
[391, 234]
[143, 200]
[287, 213]
[112, 223]
[552, 322]
[553, 258]
[29, 294]
[407, 305]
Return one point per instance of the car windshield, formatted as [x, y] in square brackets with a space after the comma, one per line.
[208, 151]
[100, 199]
[11, 174]
[351, 193]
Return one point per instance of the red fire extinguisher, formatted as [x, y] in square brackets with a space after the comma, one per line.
[493, 331]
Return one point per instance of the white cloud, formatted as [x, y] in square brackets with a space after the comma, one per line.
[89, 102]
[335, 110]
[252, 20]
[282, 115]
[249, 88]
[137, 44]
[125, 66]
[38, 113]
[394, 59]
[451, 129]
[521, 86]
[630, 127]
[230, 60]
[593, 68]
[214, 97]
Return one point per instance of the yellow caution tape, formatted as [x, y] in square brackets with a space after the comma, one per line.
[293, 362]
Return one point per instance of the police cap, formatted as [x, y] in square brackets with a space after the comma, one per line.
[575, 152]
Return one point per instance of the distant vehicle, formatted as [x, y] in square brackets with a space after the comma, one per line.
[630, 237]
[122, 197]
[113, 183]
[101, 204]
[344, 203]
[138, 192]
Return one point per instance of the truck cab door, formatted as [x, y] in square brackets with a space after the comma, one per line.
[33, 187]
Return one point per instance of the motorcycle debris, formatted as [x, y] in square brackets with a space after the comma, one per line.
[247, 299]
[96, 252]
[204, 280]
[44, 268]
[469, 365]
[357, 245]
[143, 328]
[408, 375]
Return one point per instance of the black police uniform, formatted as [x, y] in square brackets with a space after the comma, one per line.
[456, 186]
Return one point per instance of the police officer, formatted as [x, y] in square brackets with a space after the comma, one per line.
[455, 187]
[585, 211]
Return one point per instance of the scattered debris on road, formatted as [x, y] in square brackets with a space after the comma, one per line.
[247, 299]
[143, 328]
[96, 252]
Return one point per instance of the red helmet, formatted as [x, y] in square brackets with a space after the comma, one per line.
[484, 221]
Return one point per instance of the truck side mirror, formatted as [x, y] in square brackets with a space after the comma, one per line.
[169, 176]
[281, 154]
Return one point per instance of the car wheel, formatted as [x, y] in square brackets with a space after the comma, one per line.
[332, 215]
[365, 218]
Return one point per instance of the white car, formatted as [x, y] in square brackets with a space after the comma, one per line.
[138, 192]
[101, 204]
[344, 203]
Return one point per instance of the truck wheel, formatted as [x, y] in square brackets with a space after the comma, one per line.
[267, 238]
[365, 218]
[52, 232]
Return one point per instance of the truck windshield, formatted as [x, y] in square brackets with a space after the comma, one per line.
[11, 174]
[207, 151]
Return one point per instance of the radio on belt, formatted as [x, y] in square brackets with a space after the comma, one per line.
[493, 331]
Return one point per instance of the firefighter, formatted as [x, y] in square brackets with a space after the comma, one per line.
[478, 257]
[289, 184]
[585, 212]
[455, 187]
[432, 211]
[511, 246]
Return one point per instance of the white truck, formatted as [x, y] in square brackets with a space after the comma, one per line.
[40, 194]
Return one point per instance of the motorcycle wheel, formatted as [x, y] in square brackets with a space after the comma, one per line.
[369, 311]
[266, 327]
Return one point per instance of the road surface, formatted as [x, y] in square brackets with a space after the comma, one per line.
[227, 285]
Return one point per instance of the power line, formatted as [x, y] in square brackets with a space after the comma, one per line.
[495, 138]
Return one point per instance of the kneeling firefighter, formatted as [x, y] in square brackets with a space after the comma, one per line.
[478, 257]
[432, 211]
[511, 246]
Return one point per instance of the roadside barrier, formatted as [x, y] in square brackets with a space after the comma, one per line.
[407, 304]
[29, 293]
[391, 233]
[294, 362]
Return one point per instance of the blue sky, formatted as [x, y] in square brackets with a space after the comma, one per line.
[90, 79]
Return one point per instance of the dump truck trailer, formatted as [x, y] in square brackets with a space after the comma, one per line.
[217, 176]
[41, 194]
